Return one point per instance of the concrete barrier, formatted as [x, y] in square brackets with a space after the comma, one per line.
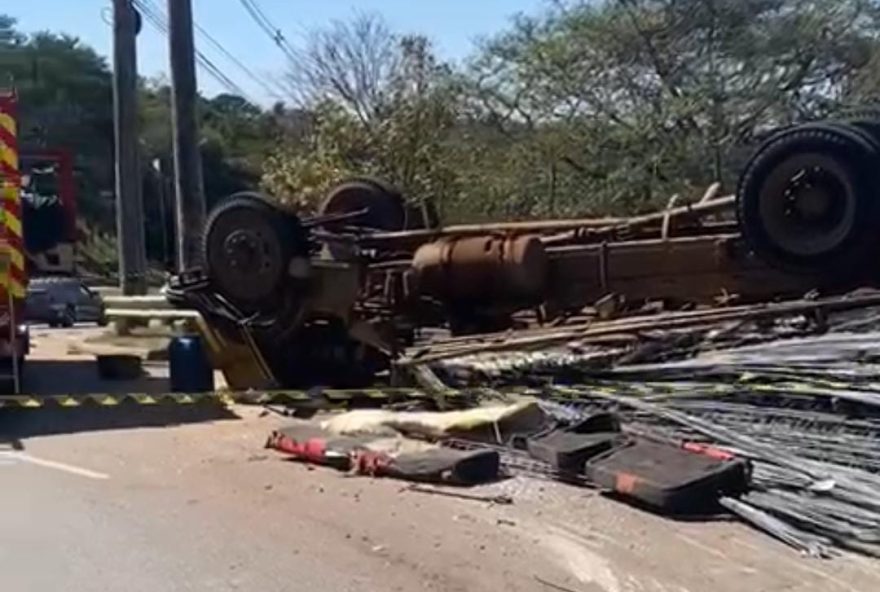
[123, 320]
[135, 313]
[151, 301]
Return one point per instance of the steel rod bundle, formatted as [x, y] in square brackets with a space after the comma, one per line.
[816, 475]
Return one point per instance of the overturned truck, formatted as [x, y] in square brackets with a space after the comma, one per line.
[332, 300]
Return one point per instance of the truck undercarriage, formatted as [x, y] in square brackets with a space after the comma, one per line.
[334, 299]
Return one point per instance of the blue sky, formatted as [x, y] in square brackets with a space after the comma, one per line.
[453, 25]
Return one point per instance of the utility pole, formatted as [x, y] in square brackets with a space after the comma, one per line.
[163, 216]
[129, 201]
[188, 184]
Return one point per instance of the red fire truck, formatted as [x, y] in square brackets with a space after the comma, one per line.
[48, 204]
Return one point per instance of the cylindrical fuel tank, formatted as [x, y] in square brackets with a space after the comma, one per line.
[483, 270]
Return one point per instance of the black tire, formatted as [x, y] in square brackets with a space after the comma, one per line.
[247, 247]
[386, 208]
[837, 240]
[415, 214]
[869, 126]
[382, 184]
[69, 319]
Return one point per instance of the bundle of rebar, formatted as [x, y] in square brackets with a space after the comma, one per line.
[816, 473]
[721, 327]
[797, 394]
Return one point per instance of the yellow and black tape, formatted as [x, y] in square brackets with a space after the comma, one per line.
[329, 397]
[105, 400]
[332, 398]
[322, 398]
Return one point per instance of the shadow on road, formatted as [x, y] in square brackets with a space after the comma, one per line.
[80, 377]
[18, 424]
[51, 378]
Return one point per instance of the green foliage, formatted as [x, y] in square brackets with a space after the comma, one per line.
[66, 101]
[634, 100]
[300, 174]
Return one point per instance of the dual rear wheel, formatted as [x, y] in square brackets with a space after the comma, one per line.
[807, 201]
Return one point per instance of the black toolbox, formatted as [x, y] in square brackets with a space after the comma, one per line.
[667, 478]
[568, 451]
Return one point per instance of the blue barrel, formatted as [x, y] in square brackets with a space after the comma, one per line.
[188, 363]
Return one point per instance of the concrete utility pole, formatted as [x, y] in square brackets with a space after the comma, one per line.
[159, 171]
[188, 185]
[129, 201]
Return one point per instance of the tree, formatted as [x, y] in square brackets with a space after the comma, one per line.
[66, 101]
[636, 99]
[350, 64]
[381, 103]
[235, 138]
[9, 37]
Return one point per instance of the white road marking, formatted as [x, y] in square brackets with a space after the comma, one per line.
[51, 464]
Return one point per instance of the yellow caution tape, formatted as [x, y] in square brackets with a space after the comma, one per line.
[334, 397]
[317, 396]
[104, 400]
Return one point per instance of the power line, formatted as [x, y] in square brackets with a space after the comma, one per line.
[272, 92]
[269, 28]
[157, 18]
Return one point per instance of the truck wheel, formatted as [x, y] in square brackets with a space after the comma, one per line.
[383, 204]
[807, 200]
[247, 247]
[871, 127]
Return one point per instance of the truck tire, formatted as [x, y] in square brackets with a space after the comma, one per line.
[384, 205]
[807, 201]
[247, 247]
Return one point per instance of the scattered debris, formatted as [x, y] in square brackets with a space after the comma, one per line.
[502, 500]
[383, 457]
[769, 413]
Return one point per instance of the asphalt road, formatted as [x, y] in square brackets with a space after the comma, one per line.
[201, 506]
[186, 498]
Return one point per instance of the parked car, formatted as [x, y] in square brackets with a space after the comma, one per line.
[62, 302]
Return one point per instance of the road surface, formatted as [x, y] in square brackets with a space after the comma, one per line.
[184, 498]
